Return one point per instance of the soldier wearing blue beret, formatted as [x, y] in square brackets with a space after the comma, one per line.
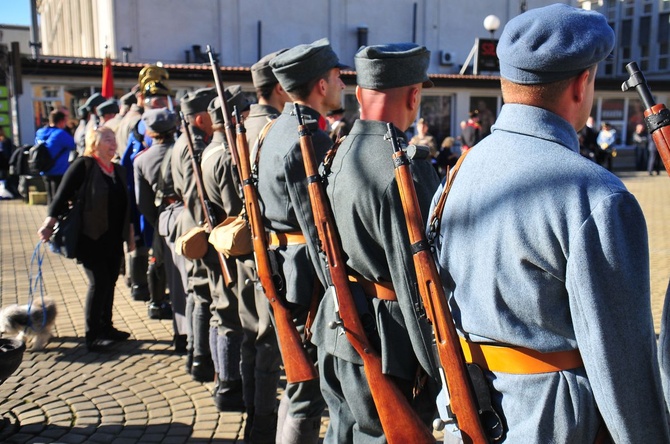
[544, 253]
[373, 233]
[310, 74]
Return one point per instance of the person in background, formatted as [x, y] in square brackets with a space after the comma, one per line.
[105, 225]
[538, 262]
[654, 164]
[447, 157]
[606, 140]
[339, 127]
[588, 140]
[424, 138]
[107, 111]
[471, 133]
[59, 143]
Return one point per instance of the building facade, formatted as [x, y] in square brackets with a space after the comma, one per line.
[174, 32]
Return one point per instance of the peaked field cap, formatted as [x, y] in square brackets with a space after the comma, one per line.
[93, 101]
[261, 71]
[553, 43]
[303, 63]
[159, 120]
[235, 98]
[108, 107]
[392, 65]
[197, 101]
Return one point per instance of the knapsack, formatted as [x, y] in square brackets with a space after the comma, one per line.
[39, 158]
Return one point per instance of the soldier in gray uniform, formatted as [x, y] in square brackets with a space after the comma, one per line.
[106, 111]
[545, 254]
[221, 185]
[161, 125]
[260, 354]
[194, 106]
[373, 233]
[310, 74]
[129, 119]
[271, 99]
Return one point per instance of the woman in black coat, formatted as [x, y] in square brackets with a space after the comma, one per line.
[105, 225]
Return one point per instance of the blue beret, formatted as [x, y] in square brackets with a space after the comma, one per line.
[392, 66]
[553, 43]
[303, 63]
[159, 120]
[235, 98]
[197, 101]
[108, 107]
[261, 71]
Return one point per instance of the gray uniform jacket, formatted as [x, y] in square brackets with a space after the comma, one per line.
[220, 178]
[284, 199]
[373, 233]
[259, 116]
[541, 248]
[184, 180]
[147, 169]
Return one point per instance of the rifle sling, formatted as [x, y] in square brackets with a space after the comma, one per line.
[436, 217]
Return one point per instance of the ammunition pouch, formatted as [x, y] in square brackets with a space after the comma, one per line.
[192, 244]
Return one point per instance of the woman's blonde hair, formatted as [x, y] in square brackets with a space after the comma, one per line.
[93, 138]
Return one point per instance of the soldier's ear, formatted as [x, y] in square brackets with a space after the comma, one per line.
[413, 97]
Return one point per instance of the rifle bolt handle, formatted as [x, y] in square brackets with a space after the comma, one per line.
[438, 424]
[334, 324]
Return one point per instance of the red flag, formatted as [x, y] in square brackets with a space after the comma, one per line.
[107, 79]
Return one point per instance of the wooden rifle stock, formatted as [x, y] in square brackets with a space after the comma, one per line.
[297, 363]
[210, 220]
[463, 401]
[400, 422]
[656, 116]
[228, 124]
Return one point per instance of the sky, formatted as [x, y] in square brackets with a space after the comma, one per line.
[15, 12]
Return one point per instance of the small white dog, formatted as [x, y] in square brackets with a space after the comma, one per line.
[34, 327]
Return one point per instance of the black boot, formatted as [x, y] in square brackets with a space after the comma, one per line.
[228, 396]
[202, 369]
[139, 262]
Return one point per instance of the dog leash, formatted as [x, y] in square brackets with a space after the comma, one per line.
[36, 283]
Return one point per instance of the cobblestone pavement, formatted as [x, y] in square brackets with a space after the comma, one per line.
[139, 392]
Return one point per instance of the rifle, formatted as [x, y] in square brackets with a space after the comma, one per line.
[656, 116]
[450, 354]
[399, 421]
[228, 124]
[210, 220]
[297, 363]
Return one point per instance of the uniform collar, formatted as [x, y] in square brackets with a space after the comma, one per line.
[537, 122]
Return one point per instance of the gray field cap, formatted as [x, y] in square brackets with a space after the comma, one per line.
[160, 120]
[392, 66]
[303, 63]
[108, 107]
[235, 98]
[196, 101]
[93, 101]
[553, 43]
[261, 71]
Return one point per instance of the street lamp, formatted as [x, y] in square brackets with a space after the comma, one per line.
[491, 24]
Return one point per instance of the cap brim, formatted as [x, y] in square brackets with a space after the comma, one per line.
[428, 84]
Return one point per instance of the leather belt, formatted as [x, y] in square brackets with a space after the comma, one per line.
[519, 360]
[379, 290]
[285, 239]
